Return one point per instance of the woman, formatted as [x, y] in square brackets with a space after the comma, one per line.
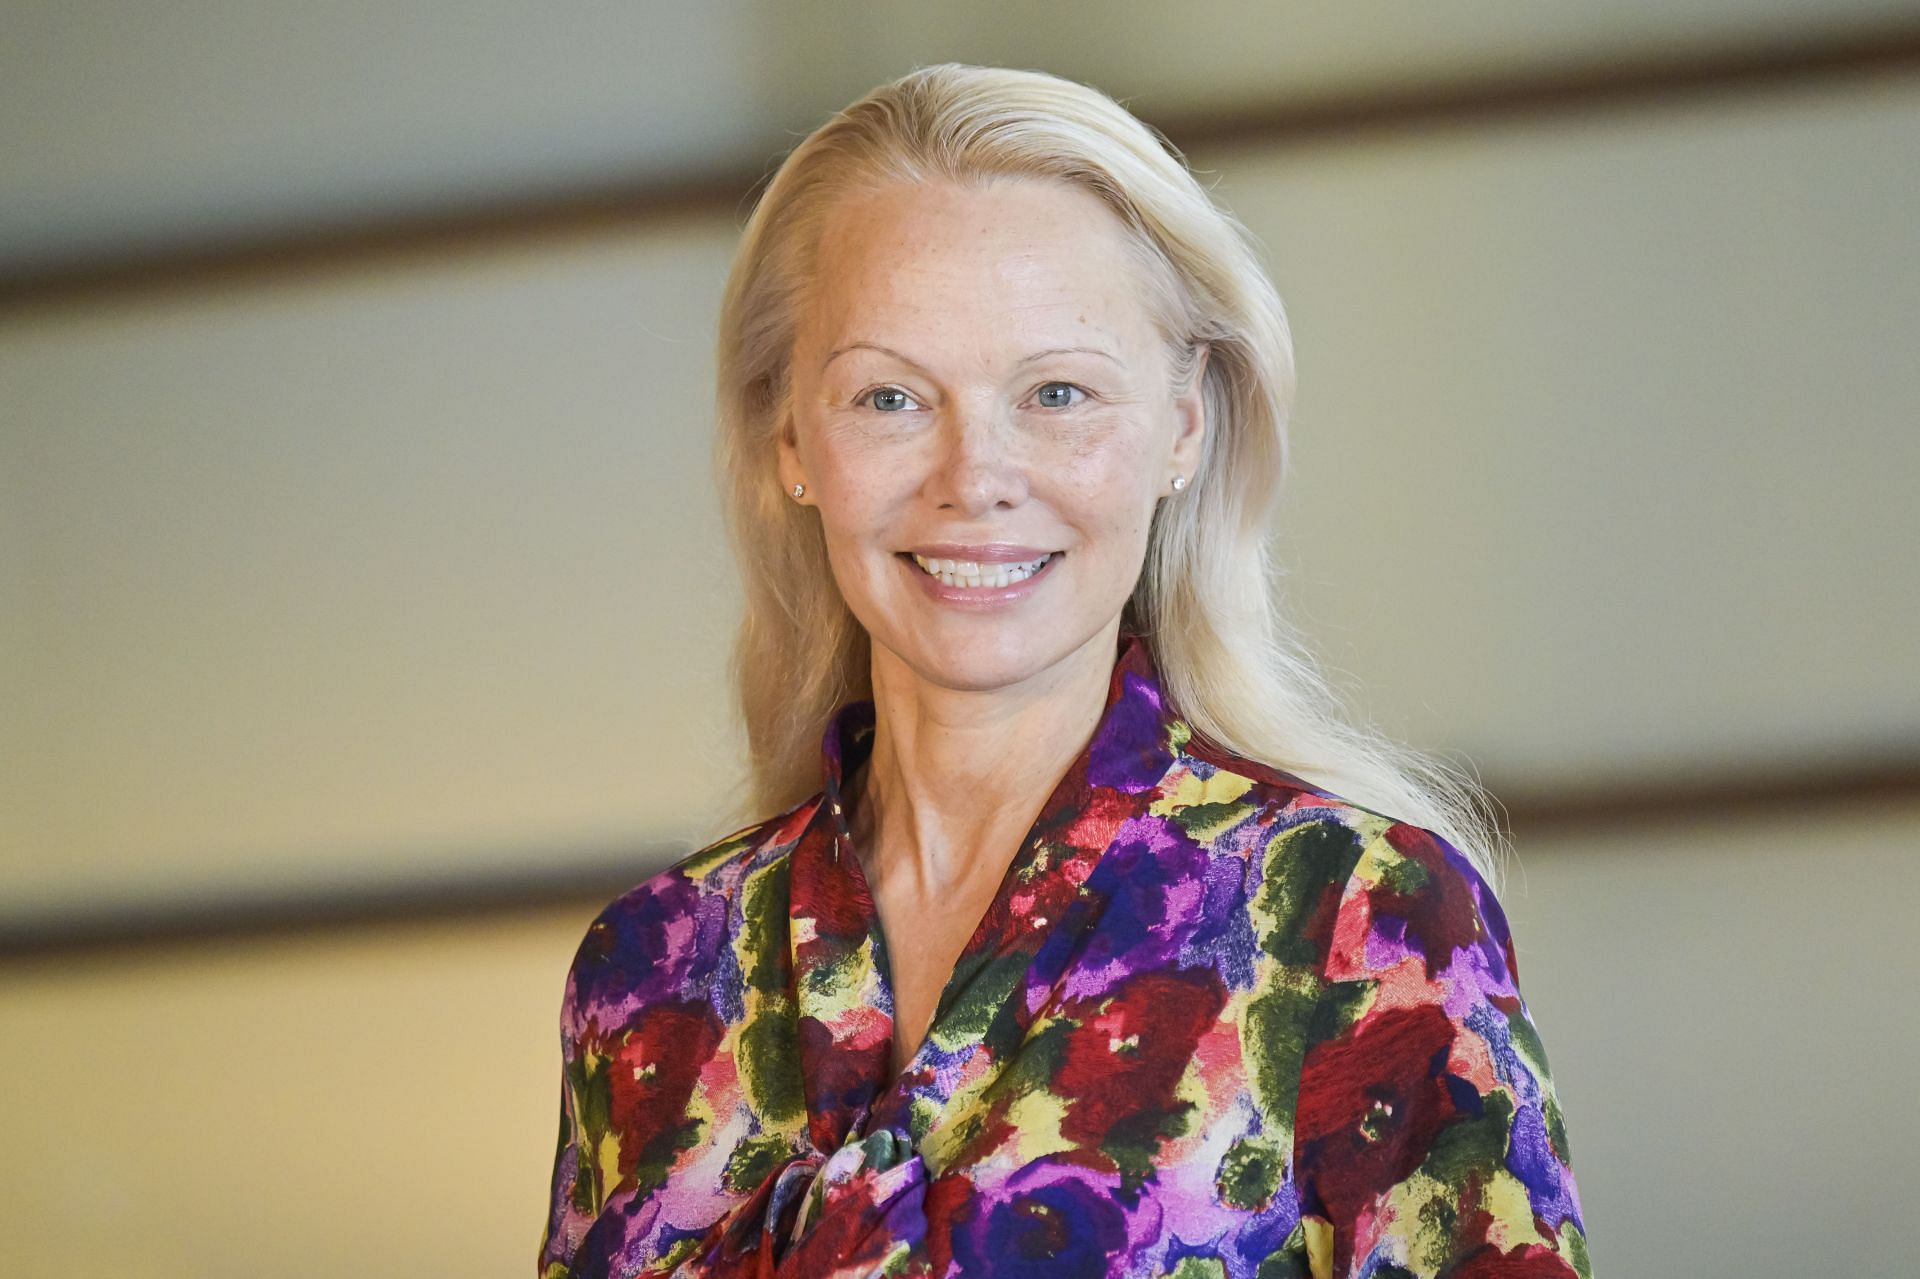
[1067, 969]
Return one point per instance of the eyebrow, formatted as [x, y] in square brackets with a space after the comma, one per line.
[906, 359]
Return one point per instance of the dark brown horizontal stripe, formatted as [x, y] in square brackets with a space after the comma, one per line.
[586, 884]
[546, 883]
[1657, 79]
[1650, 81]
[1878, 777]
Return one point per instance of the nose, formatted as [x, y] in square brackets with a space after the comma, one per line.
[981, 466]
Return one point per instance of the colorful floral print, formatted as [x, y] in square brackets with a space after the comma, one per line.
[1216, 1022]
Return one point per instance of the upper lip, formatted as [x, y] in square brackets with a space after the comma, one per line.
[980, 552]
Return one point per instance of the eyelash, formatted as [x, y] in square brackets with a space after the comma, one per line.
[861, 399]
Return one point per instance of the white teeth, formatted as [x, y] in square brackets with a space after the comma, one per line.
[966, 573]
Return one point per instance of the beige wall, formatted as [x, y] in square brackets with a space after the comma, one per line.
[382, 1102]
[171, 124]
[406, 572]
[1728, 1007]
[1605, 455]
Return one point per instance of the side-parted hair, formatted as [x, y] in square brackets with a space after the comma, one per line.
[1233, 666]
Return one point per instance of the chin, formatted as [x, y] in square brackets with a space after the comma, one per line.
[980, 655]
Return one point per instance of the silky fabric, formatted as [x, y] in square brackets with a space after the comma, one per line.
[1215, 1022]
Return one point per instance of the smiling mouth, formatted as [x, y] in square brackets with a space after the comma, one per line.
[980, 575]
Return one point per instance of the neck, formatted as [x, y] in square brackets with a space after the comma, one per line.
[956, 777]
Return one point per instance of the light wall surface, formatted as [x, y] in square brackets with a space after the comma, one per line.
[1606, 429]
[133, 127]
[1727, 1006]
[403, 573]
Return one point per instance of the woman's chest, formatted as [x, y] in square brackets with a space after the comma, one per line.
[925, 935]
[1094, 1144]
[1118, 1083]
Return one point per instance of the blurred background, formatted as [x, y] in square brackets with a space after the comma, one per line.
[363, 606]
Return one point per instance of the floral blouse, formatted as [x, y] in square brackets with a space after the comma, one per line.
[1216, 1022]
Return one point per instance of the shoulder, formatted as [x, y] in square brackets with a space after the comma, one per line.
[715, 869]
[662, 938]
[1288, 827]
[1358, 872]
[1415, 899]
[1424, 1094]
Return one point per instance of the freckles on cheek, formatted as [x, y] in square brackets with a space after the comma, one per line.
[867, 486]
[860, 508]
[841, 467]
[1112, 477]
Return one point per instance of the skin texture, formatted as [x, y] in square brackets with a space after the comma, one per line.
[955, 432]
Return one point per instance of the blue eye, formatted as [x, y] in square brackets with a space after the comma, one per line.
[1058, 395]
[887, 399]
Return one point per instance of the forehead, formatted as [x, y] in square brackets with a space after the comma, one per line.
[1006, 258]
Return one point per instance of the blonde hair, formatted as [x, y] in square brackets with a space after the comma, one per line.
[1232, 665]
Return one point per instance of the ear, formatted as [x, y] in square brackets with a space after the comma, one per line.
[1190, 412]
[787, 444]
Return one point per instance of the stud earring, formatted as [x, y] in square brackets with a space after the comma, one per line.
[1179, 482]
[799, 490]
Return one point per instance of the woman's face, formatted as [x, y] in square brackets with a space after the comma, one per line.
[976, 378]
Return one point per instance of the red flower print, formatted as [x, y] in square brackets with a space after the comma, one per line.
[1370, 1104]
[651, 1078]
[1432, 896]
[1126, 1056]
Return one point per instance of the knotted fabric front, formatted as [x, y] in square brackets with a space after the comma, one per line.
[860, 1211]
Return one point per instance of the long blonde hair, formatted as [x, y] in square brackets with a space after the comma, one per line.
[1232, 665]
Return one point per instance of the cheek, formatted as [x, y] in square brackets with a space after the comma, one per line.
[858, 478]
[1107, 489]
[862, 514]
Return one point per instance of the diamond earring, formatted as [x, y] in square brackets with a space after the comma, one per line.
[1179, 482]
[798, 490]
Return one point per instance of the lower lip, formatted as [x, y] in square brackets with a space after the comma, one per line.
[979, 596]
